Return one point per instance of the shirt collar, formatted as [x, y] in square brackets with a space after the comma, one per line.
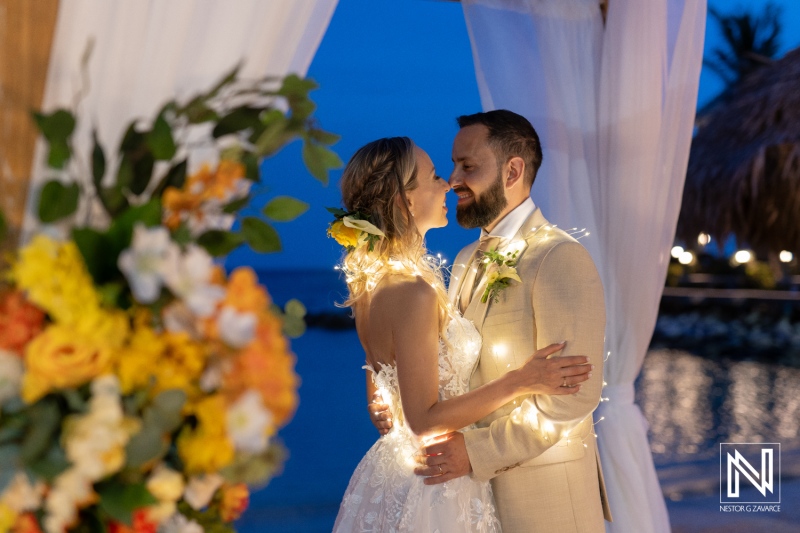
[508, 227]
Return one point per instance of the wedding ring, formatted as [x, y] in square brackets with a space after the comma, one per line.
[564, 384]
[441, 472]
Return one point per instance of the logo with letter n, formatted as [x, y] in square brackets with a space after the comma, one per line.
[747, 466]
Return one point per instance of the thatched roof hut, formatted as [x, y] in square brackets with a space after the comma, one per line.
[744, 166]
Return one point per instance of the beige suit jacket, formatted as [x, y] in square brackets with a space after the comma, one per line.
[540, 451]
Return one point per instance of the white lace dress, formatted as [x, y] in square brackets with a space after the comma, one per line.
[384, 494]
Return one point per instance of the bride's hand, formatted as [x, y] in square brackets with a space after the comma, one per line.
[557, 375]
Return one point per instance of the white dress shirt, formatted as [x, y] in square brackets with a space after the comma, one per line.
[508, 227]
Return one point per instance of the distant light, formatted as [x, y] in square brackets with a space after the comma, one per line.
[685, 258]
[786, 256]
[742, 256]
[676, 251]
[703, 239]
[500, 350]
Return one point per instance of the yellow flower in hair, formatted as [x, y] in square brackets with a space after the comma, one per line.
[347, 236]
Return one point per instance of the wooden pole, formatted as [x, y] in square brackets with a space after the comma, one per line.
[26, 36]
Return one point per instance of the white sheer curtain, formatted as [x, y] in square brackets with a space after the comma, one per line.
[614, 105]
[148, 51]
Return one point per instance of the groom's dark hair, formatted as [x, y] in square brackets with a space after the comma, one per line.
[510, 135]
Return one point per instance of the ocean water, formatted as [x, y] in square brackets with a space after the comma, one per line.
[691, 404]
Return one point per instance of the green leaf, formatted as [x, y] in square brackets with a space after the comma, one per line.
[335, 211]
[319, 159]
[39, 437]
[165, 411]
[175, 177]
[57, 128]
[95, 248]
[50, 465]
[3, 227]
[284, 208]
[57, 201]
[182, 235]
[113, 200]
[241, 118]
[9, 464]
[260, 236]
[293, 326]
[98, 162]
[274, 135]
[252, 170]
[75, 400]
[160, 140]
[293, 85]
[136, 165]
[121, 229]
[236, 205]
[219, 243]
[302, 108]
[295, 307]
[121, 500]
[323, 137]
[148, 444]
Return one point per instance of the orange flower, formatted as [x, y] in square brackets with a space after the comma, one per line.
[235, 499]
[224, 182]
[266, 365]
[244, 293]
[26, 523]
[20, 321]
[141, 524]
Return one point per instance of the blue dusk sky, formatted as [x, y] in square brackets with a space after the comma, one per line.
[387, 68]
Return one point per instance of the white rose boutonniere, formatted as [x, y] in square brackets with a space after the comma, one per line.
[500, 272]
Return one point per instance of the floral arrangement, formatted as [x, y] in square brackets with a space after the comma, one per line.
[500, 271]
[353, 230]
[142, 386]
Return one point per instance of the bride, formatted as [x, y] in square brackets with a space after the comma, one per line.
[420, 352]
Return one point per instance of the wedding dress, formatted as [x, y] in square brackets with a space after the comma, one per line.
[384, 494]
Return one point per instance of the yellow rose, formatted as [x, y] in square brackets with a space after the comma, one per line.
[58, 358]
[344, 235]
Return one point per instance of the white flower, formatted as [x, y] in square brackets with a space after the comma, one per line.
[11, 370]
[201, 489]
[178, 523]
[70, 491]
[248, 422]
[508, 272]
[188, 276]
[363, 225]
[166, 484]
[236, 329]
[142, 262]
[21, 496]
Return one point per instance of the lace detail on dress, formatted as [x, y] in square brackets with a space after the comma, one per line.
[384, 494]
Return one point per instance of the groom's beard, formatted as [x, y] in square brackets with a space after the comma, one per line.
[485, 208]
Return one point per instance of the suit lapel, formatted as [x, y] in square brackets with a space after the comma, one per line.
[476, 311]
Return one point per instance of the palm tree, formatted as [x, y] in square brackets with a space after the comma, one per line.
[750, 41]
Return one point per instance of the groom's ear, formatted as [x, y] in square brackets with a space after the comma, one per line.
[516, 171]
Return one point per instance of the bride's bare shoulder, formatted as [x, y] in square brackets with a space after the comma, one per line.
[402, 291]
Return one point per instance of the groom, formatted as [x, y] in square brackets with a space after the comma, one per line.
[539, 453]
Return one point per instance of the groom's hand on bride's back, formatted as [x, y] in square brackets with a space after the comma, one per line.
[379, 414]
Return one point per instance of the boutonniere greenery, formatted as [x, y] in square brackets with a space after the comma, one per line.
[500, 270]
[353, 230]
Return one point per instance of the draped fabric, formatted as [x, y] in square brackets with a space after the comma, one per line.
[146, 52]
[614, 105]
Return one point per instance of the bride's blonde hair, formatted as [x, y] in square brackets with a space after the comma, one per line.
[374, 183]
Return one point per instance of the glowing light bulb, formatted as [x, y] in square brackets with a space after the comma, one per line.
[786, 256]
[500, 350]
[742, 256]
[686, 258]
[676, 251]
[703, 239]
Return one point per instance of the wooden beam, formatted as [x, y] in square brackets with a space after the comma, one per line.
[26, 36]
